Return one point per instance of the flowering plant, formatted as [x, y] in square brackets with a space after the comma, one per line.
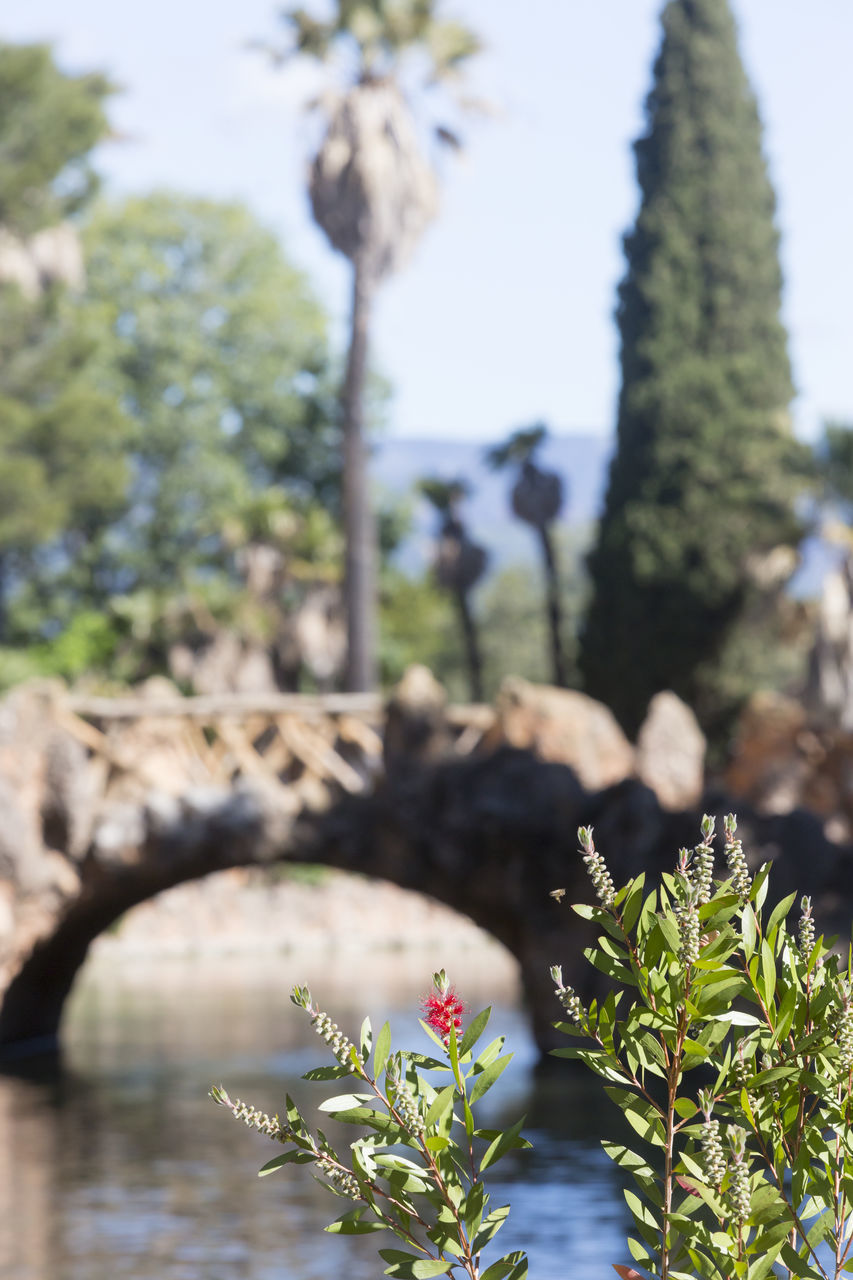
[751, 1166]
[418, 1168]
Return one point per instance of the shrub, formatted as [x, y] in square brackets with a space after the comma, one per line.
[418, 1169]
[732, 1060]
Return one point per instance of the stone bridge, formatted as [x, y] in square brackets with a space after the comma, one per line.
[106, 802]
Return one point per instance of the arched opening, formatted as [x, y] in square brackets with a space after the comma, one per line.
[212, 962]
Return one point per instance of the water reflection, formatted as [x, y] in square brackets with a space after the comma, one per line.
[116, 1166]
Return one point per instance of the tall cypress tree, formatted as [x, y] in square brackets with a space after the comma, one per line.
[705, 470]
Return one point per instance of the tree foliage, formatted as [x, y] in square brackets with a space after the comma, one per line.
[49, 123]
[63, 472]
[835, 461]
[706, 469]
[219, 356]
[213, 363]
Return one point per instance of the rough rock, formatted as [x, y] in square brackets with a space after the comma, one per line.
[71, 795]
[767, 766]
[670, 755]
[416, 728]
[562, 727]
[783, 759]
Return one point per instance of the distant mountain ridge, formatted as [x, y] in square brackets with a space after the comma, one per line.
[397, 464]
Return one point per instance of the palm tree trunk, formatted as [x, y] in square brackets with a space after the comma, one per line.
[555, 620]
[472, 647]
[360, 592]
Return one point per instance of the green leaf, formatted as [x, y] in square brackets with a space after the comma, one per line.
[289, 1157]
[758, 892]
[647, 915]
[643, 1215]
[768, 975]
[407, 1266]
[344, 1101]
[606, 964]
[669, 930]
[748, 930]
[436, 1040]
[440, 1105]
[487, 1078]
[352, 1224]
[381, 1050]
[375, 1119]
[453, 1051]
[446, 1237]
[604, 1064]
[786, 1014]
[505, 1142]
[714, 1203]
[641, 1115]
[414, 1177]
[738, 1019]
[512, 1266]
[640, 1252]
[365, 1040]
[491, 1226]
[489, 1054]
[797, 1265]
[627, 1159]
[424, 1060]
[611, 948]
[474, 1030]
[633, 902]
[771, 1246]
[436, 1142]
[778, 914]
[469, 1119]
[326, 1073]
[471, 1208]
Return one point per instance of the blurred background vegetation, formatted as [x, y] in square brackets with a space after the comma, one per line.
[184, 489]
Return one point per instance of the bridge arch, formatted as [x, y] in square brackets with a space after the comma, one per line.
[93, 823]
[488, 836]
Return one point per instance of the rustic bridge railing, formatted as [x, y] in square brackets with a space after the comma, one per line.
[302, 742]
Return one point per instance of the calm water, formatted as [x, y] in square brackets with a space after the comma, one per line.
[118, 1167]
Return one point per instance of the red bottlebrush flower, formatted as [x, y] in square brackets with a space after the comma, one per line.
[442, 1009]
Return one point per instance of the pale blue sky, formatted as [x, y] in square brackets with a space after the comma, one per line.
[505, 314]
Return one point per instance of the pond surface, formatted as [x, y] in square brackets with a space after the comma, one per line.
[117, 1166]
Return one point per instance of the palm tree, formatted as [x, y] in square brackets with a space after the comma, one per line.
[537, 498]
[458, 565]
[373, 193]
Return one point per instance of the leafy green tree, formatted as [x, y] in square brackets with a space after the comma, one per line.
[49, 123]
[62, 473]
[706, 469]
[219, 356]
[537, 499]
[373, 193]
[834, 458]
[216, 351]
